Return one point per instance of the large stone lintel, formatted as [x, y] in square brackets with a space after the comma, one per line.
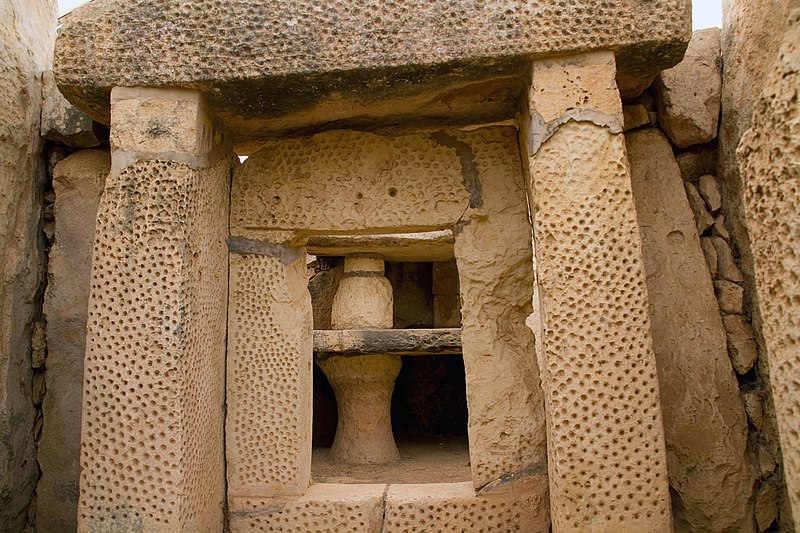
[388, 341]
[270, 67]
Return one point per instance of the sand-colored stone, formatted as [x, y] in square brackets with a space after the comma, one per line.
[390, 341]
[598, 367]
[702, 217]
[269, 380]
[741, 343]
[27, 32]
[754, 408]
[153, 406]
[689, 93]
[270, 67]
[504, 395]
[62, 122]
[635, 116]
[78, 182]
[770, 170]
[727, 266]
[710, 253]
[696, 161]
[425, 246]
[730, 296]
[708, 188]
[712, 483]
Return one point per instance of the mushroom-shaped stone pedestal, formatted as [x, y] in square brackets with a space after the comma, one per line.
[363, 384]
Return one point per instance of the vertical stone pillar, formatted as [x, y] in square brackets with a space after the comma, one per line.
[605, 435]
[152, 435]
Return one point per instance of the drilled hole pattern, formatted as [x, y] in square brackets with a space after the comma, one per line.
[269, 376]
[153, 378]
[771, 173]
[346, 180]
[441, 516]
[605, 436]
[246, 38]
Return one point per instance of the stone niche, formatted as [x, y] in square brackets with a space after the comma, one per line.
[440, 220]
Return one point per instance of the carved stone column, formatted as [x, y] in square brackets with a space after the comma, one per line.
[363, 384]
[151, 444]
[606, 452]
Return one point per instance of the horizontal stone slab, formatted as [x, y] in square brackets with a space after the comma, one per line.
[425, 246]
[275, 66]
[444, 341]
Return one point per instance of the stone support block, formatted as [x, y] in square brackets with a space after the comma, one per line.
[269, 383]
[78, 183]
[606, 451]
[153, 405]
[710, 476]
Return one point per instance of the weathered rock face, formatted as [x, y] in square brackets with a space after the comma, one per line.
[770, 169]
[63, 123]
[689, 94]
[27, 32]
[78, 182]
[271, 66]
[712, 484]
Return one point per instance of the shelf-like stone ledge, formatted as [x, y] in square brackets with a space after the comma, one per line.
[440, 341]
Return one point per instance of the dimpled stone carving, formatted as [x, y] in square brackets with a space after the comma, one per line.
[267, 58]
[770, 169]
[151, 444]
[269, 376]
[348, 181]
[605, 449]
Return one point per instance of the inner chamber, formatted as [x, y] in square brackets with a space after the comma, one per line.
[428, 407]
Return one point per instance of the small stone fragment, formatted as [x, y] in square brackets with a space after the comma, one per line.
[38, 387]
[709, 189]
[711, 255]
[719, 228]
[688, 95]
[701, 216]
[727, 268]
[754, 408]
[696, 161]
[766, 462]
[635, 116]
[38, 345]
[766, 505]
[63, 122]
[730, 297]
[741, 342]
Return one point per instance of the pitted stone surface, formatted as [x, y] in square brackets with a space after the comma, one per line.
[151, 443]
[269, 382]
[266, 58]
[347, 181]
[711, 478]
[769, 157]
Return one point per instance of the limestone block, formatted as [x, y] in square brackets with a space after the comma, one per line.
[766, 506]
[689, 94]
[710, 253]
[64, 123]
[701, 215]
[720, 229]
[271, 67]
[323, 508]
[711, 481]
[599, 374]
[727, 267]
[635, 116]
[766, 462]
[696, 161]
[394, 341]
[741, 343]
[423, 246]
[754, 408]
[341, 181]
[269, 384]
[447, 507]
[770, 170]
[27, 33]
[152, 451]
[708, 188]
[730, 296]
[493, 254]
[78, 182]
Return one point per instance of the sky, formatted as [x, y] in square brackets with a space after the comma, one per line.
[705, 13]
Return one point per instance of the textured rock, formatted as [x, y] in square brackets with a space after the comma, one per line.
[720, 229]
[712, 486]
[709, 189]
[727, 267]
[689, 94]
[634, 116]
[154, 389]
[701, 215]
[710, 253]
[696, 161]
[268, 66]
[770, 169]
[78, 183]
[400, 341]
[730, 296]
[741, 344]
[766, 506]
[27, 32]
[591, 313]
[754, 408]
[63, 123]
